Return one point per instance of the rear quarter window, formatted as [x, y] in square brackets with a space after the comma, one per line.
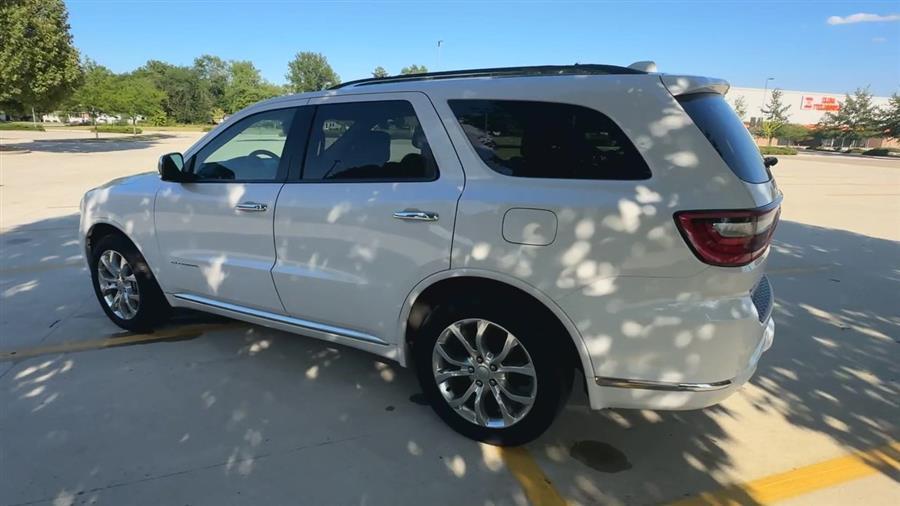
[727, 134]
[548, 140]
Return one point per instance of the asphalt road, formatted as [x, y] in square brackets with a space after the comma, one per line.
[210, 411]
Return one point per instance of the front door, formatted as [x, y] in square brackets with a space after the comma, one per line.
[215, 233]
[371, 215]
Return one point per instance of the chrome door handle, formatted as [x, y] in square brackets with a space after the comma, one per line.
[415, 215]
[251, 207]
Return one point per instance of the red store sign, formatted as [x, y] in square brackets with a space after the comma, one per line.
[820, 104]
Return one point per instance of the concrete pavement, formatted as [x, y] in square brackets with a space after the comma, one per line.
[238, 414]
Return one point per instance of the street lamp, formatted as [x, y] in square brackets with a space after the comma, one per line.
[438, 66]
[765, 89]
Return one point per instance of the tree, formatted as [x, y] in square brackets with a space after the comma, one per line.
[94, 94]
[775, 116]
[794, 132]
[39, 66]
[740, 107]
[856, 119]
[310, 72]
[187, 100]
[379, 72]
[245, 86]
[214, 72]
[889, 118]
[414, 69]
[135, 95]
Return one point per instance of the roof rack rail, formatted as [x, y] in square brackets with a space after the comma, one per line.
[541, 70]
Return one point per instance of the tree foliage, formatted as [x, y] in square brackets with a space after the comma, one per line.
[414, 69]
[134, 96]
[245, 86]
[380, 72]
[310, 72]
[38, 64]
[856, 119]
[187, 98]
[740, 107]
[889, 118]
[775, 116]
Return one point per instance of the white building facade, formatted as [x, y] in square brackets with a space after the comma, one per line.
[807, 107]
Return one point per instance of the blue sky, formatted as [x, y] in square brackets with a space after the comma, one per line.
[742, 41]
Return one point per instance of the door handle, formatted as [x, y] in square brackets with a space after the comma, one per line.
[251, 207]
[415, 215]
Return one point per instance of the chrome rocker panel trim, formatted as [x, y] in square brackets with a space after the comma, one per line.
[317, 330]
[661, 385]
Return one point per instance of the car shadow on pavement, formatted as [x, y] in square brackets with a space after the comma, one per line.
[103, 144]
[269, 415]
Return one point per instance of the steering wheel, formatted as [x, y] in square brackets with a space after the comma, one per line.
[265, 152]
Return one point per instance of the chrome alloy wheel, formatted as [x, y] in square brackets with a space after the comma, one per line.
[118, 285]
[484, 373]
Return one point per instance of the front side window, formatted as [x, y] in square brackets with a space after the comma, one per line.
[548, 140]
[249, 150]
[369, 141]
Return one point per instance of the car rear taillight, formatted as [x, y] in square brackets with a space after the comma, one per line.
[729, 238]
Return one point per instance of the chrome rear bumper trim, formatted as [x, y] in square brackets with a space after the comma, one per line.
[661, 385]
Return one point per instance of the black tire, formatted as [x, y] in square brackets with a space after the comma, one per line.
[553, 369]
[152, 308]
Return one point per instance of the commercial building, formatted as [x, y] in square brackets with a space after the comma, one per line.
[807, 107]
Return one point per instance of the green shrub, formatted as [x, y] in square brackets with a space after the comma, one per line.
[882, 152]
[207, 128]
[777, 150]
[11, 125]
[116, 129]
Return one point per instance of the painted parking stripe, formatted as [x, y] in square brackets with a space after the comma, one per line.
[170, 334]
[538, 488]
[778, 487]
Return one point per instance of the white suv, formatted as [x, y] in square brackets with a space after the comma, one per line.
[501, 230]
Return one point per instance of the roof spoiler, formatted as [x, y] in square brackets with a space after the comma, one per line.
[648, 66]
[687, 85]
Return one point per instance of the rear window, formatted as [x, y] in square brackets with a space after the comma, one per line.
[727, 134]
[548, 140]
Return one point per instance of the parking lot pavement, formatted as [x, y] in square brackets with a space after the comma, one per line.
[210, 411]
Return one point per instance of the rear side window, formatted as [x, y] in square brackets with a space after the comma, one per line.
[727, 134]
[368, 141]
[548, 140]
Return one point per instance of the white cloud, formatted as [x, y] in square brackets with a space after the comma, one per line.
[879, 40]
[862, 17]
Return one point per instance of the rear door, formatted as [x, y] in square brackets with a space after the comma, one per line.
[371, 215]
[215, 233]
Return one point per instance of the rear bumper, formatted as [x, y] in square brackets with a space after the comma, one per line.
[608, 392]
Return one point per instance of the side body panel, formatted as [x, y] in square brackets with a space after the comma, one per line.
[645, 307]
[343, 259]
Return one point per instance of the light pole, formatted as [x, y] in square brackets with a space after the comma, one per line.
[765, 90]
[438, 66]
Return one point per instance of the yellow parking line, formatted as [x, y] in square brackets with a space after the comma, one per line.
[537, 486]
[802, 480]
[174, 333]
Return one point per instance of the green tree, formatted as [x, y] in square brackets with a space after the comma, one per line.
[857, 118]
[94, 94]
[310, 72]
[889, 118]
[775, 116]
[134, 96]
[414, 69]
[214, 73]
[794, 132]
[246, 86]
[380, 72]
[740, 107]
[39, 66]
[187, 97]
